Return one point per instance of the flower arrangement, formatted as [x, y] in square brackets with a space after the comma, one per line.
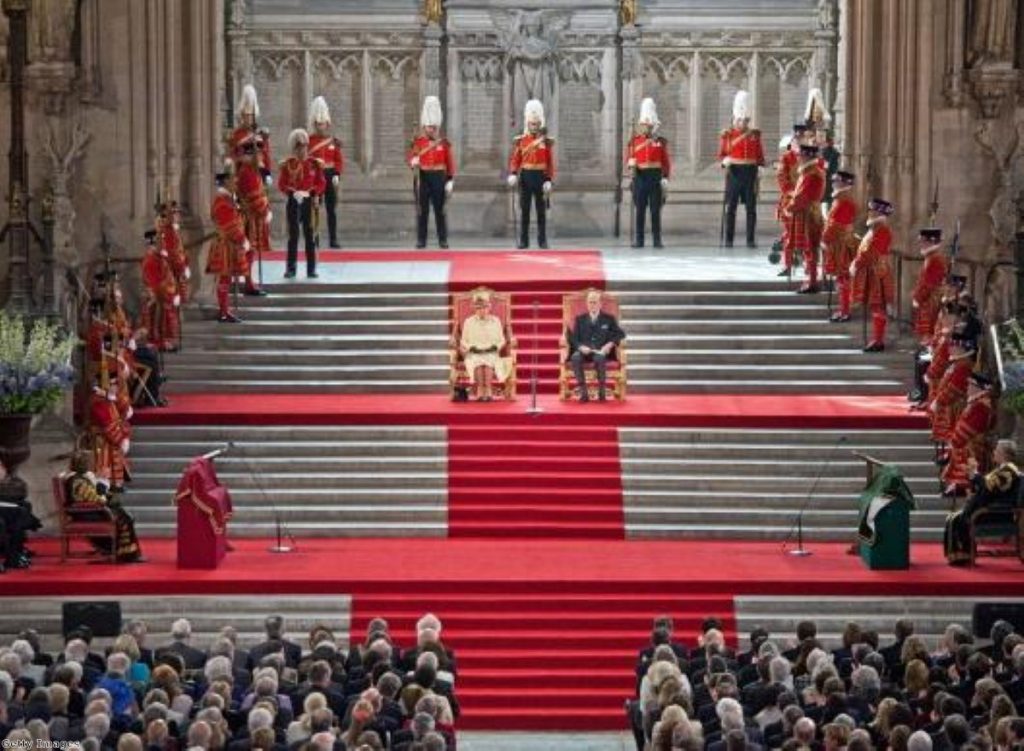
[1010, 340]
[35, 365]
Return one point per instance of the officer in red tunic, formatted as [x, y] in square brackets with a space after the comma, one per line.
[647, 160]
[531, 166]
[930, 280]
[742, 155]
[432, 161]
[168, 226]
[872, 278]
[301, 179]
[327, 149]
[950, 395]
[161, 298]
[803, 215]
[252, 197]
[227, 258]
[786, 174]
[839, 241]
[110, 434]
[248, 131]
[970, 435]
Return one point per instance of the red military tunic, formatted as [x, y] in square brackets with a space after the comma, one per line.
[803, 212]
[327, 149]
[244, 134]
[741, 146]
[786, 176]
[252, 195]
[948, 402]
[940, 359]
[435, 155]
[838, 237]
[170, 241]
[226, 251]
[533, 153]
[159, 314]
[927, 294]
[108, 429]
[872, 279]
[301, 175]
[650, 152]
[969, 438]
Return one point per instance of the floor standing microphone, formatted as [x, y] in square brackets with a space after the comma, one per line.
[800, 551]
[534, 408]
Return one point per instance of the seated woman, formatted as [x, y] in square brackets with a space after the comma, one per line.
[998, 489]
[483, 338]
[86, 495]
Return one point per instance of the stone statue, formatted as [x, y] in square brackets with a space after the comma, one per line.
[51, 26]
[993, 32]
[63, 153]
[433, 10]
[530, 40]
[627, 12]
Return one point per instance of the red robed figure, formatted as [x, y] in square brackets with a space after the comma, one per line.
[204, 508]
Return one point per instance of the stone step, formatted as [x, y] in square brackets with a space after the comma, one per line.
[282, 453]
[283, 465]
[329, 515]
[752, 358]
[787, 497]
[317, 526]
[436, 385]
[245, 340]
[341, 434]
[399, 357]
[645, 455]
[787, 436]
[316, 327]
[726, 311]
[387, 478]
[760, 529]
[392, 315]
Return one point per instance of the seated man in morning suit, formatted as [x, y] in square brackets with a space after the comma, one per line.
[594, 337]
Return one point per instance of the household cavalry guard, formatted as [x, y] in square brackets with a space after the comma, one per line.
[647, 159]
[248, 131]
[301, 179]
[432, 162]
[532, 167]
[742, 155]
[325, 148]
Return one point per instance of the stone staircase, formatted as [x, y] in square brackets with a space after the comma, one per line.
[337, 481]
[700, 336]
[751, 483]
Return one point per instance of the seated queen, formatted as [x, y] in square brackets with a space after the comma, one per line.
[483, 338]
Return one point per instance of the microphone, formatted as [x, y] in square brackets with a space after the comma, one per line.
[799, 524]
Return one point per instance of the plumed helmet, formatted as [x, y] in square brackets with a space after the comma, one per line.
[297, 136]
[533, 110]
[784, 143]
[815, 113]
[248, 104]
[649, 113]
[741, 106]
[431, 114]
[319, 112]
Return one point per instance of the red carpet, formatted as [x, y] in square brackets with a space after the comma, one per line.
[545, 631]
[653, 410]
[534, 482]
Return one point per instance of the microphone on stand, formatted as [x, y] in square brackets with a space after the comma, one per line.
[534, 409]
[281, 529]
[798, 525]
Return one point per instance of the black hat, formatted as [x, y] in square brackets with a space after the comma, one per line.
[880, 206]
[844, 177]
[248, 148]
[981, 380]
[102, 277]
[97, 302]
[150, 235]
[957, 281]
[930, 234]
[800, 127]
[964, 340]
[808, 149]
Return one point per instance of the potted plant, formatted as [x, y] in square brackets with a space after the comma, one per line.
[35, 371]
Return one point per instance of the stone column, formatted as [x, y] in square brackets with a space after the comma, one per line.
[17, 227]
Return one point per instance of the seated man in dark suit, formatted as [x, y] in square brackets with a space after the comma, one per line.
[181, 633]
[998, 489]
[593, 338]
[274, 626]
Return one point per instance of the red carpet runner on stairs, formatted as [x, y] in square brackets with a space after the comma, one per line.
[537, 660]
[534, 481]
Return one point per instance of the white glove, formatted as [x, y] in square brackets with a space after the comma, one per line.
[187, 273]
[449, 187]
[132, 345]
[631, 163]
[246, 246]
[176, 302]
[125, 445]
[270, 217]
[546, 187]
[853, 269]
[414, 162]
[512, 180]
[335, 180]
[301, 195]
[268, 180]
[664, 183]
[131, 411]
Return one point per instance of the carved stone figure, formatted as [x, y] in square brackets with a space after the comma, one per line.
[993, 32]
[530, 40]
[433, 10]
[628, 11]
[63, 154]
[51, 26]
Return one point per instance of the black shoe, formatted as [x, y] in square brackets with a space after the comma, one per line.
[543, 245]
[602, 397]
[312, 275]
[18, 561]
[443, 245]
[162, 402]
[658, 244]
[228, 318]
[752, 245]
[522, 245]
[839, 317]
[584, 397]
[289, 274]
[875, 347]
[255, 292]
[809, 289]
[335, 245]
[784, 272]
[728, 243]
[636, 245]
[420, 246]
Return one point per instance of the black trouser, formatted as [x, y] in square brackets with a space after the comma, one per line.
[432, 194]
[330, 203]
[148, 356]
[740, 185]
[531, 188]
[647, 192]
[600, 361]
[300, 213]
[16, 521]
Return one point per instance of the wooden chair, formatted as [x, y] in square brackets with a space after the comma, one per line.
[461, 309]
[1000, 526]
[72, 528]
[574, 305]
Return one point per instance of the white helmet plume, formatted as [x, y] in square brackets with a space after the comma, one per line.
[297, 136]
[431, 114]
[319, 112]
[533, 110]
[248, 104]
[649, 113]
[741, 106]
[815, 112]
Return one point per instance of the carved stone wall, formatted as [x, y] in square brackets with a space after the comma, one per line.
[375, 62]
